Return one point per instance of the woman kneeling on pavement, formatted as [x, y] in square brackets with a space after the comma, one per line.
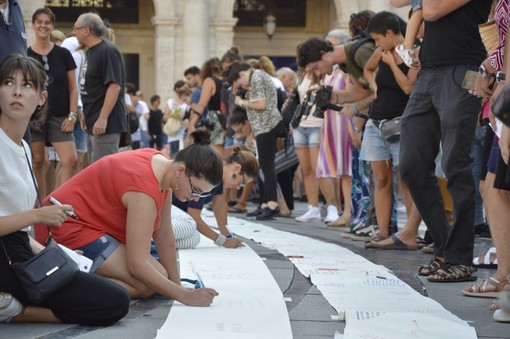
[122, 202]
[88, 299]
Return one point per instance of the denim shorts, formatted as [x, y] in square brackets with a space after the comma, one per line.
[306, 137]
[80, 138]
[98, 251]
[231, 142]
[376, 148]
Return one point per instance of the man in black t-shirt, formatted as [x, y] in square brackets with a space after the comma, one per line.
[440, 111]
[101, 84]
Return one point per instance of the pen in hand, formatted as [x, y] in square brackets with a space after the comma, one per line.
[199, 279]
[69, 213]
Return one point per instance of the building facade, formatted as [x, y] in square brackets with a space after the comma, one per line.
[171, 35]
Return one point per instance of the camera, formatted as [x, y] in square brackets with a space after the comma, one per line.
[241, 92]
[318, 97]
[322, 99]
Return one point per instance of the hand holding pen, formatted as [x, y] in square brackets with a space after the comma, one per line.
[55, 202]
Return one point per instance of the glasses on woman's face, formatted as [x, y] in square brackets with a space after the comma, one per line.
[195, 193]
[46, 65]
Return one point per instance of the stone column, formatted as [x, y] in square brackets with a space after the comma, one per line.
[164, 55]
[28, 8]
[195, 34]
[344, 9]
[224, 35]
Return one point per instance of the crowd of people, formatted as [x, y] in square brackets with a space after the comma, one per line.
[381, 116]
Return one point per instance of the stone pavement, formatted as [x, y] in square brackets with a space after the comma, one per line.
[309, 312]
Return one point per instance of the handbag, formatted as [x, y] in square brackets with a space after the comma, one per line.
[44, 274]
[172, 126]
[390, 128]
[489, 31]
[48, 271]
[501, 106]
[289, 107]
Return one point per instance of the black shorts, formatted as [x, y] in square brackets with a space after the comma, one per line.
[502, 180]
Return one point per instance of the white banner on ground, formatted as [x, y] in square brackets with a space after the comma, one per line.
[249, 305]
[355, 287]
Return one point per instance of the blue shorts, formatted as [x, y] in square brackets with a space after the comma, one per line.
[231, 142]
[80, 138]
[98, 251]
[306, 137]
[376, 148]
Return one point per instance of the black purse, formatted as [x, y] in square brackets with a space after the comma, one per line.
[501, 107]
[48, 271]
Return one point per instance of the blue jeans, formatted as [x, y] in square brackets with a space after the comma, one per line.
[477, 169]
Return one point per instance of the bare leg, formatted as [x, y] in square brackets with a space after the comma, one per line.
[383, 182]
[499, 214]
[413, 26]
[115, 269]
[34, 314]
[346, 186]
[309, 179]
[68, 160]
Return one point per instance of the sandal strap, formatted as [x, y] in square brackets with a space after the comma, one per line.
[455, 271]
[434, 265]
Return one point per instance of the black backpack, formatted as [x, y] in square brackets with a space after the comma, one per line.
[134, 124]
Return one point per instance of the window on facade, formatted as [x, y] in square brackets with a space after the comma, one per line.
[288, 13]
[116, 11]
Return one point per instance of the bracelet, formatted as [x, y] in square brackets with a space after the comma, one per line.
[220, 240]
[356, 110]
[73, 116]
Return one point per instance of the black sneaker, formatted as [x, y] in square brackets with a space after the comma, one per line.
[268, 214]
[258, 211]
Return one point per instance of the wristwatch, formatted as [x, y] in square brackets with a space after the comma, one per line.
[483, 71]
[356, 129]
[500, 77]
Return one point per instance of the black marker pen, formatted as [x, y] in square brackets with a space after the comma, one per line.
[69, 213]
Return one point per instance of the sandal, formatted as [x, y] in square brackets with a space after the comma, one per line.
[341, 222]
[435, 264]
[408, 56]
[487, 260]
[453, 273]
[488, 288]
[237, 209]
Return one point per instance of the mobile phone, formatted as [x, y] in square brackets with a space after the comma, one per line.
[469, 81]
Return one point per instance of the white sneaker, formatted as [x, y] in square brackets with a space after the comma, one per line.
[313, 214]
[9, 307]
[332, 214]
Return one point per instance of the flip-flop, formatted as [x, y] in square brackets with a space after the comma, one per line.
[396, 244]
[487, 262]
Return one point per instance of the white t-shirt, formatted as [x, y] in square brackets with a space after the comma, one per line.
[17, 190]
[142, 108]
[184, 107]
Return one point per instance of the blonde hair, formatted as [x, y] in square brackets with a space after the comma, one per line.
[57, 36]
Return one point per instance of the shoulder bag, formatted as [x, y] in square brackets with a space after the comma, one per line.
[48, 271]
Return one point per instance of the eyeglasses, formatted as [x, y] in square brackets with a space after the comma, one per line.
[77, 28]
[46, 65]
[194, 193]
[244, 182]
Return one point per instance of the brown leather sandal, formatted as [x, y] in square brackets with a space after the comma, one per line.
[435, 264]
[488, 288]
